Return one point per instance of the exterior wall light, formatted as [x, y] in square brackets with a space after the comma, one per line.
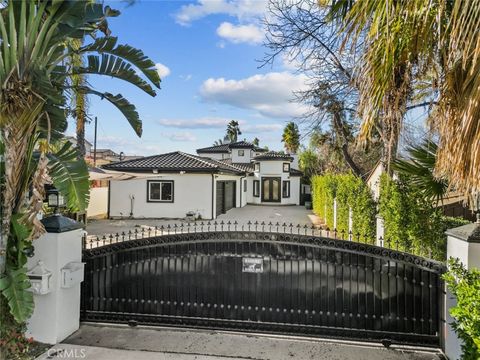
[54, 199]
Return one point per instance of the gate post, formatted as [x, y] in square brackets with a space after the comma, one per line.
[334, 214]
[463, 243]
[380, 230]
[55, 272]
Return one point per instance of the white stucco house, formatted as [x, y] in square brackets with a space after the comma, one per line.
[216, 180]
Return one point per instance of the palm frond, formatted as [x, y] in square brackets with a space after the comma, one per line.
[70, 177]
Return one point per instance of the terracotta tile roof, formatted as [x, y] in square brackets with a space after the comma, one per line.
[171, 162]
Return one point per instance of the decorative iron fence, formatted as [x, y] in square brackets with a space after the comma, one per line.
[91, 241]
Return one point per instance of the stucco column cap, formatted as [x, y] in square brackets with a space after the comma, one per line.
[469, 233]
[59, 224]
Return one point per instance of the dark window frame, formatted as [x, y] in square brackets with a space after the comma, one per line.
[287, 195]
[256, 188]
[241, 152]
[149, 200]
[244, 185]
[288, 167]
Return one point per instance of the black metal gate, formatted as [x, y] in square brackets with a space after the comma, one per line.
[264, 281]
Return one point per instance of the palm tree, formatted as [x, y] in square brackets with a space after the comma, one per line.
[35, 38]
[233, 130]
[404, 42]
[291, 138]
[419, 166]
[256, 142]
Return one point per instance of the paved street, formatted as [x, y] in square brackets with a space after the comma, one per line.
[110, 342]
[288, 214]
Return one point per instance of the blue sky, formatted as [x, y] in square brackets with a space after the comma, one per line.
[207, 53]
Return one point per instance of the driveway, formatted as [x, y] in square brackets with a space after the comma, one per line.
[118, 342]
[281, 214]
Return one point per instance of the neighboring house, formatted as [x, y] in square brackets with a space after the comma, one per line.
[453, 204]
[73, 141]
[223, 177]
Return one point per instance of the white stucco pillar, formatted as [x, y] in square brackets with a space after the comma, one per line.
[334, 213]
[56, 272]
[380, 232]
[462, 243]
[350, 221]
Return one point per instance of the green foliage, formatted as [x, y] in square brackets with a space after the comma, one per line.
[70, 177]
[310, 164]
[465, 285]
[411, 221]
[14, 285]
[349, 192]
[420, 168]
[291, 137]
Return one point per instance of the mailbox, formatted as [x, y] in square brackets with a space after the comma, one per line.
[72, 274]
[40, 279]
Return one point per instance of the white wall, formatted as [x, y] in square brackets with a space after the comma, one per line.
[192, 192]
[373, 181]
[275, 169]
[236, 158]
[98, 205]
[216, 156]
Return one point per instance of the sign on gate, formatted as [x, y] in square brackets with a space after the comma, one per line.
[252, 265]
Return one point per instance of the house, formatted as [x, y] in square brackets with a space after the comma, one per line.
[73, 141]
[216, 180]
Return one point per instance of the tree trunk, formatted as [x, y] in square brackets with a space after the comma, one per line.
[80, 117]
[341, 131]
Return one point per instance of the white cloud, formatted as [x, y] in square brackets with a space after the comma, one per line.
[250, 34]
[182, 136]
[241, 9]
[162, 70]
[269, 94]
[199, 123]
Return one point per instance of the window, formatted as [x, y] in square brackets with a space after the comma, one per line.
[159, 191]
[256, 188]
[241, 152]
[245, 185]
[286, 167]
[257, 166]
[286, 189]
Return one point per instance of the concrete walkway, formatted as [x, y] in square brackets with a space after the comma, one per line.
[281, 214]
[111, 342]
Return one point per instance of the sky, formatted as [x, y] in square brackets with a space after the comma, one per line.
[208, 55]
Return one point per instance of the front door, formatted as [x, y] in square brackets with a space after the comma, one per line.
[271, 187]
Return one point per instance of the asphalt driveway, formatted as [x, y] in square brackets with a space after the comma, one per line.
[274, 214]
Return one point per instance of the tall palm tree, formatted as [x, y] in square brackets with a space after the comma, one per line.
[291, 138]
[233, 130]
[405, 40]
[35, 37]
[256, 142]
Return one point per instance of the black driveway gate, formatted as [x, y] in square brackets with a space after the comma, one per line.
[264, 281]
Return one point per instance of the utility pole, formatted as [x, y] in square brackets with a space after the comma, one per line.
[95, 145]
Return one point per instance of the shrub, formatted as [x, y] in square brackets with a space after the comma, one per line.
[349, 192]
[465, 285]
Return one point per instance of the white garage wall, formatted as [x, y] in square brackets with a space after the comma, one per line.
[192, 192]
[98, 205]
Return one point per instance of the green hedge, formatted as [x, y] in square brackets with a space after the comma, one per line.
[350, 191]
[410, 221]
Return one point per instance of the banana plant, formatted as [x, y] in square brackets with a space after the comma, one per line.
[35, 75]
